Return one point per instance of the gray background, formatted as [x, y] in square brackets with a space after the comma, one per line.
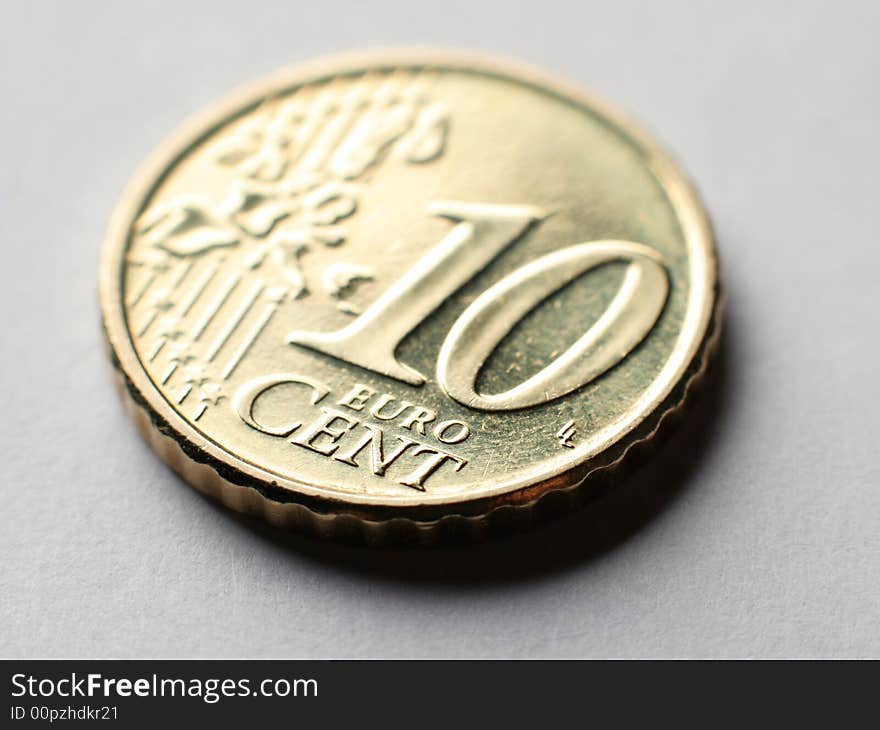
[753, 533]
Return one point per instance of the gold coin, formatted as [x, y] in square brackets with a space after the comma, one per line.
[392, 292]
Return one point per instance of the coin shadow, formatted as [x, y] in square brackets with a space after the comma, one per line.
[559, 543]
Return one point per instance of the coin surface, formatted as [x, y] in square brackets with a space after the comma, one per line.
[393, 291]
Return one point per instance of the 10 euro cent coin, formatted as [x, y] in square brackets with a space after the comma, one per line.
[406, 293]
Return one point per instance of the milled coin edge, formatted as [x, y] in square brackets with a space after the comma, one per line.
[242, 494]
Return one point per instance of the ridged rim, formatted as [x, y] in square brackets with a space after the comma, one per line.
[205, 477]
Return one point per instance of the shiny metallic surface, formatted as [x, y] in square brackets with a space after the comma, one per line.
[406, 287]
